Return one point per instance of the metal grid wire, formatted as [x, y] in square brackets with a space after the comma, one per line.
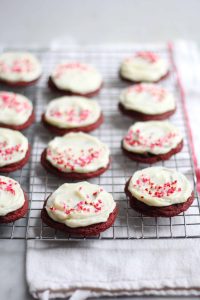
[39, 184]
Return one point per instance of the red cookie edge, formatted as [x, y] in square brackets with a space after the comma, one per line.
[142, 81]
[90, 230]
[72, 175]
[17, 214]
[18, 165]
[19, 83]
[61, 131]
[144, 117]
[52, 86]
[152, 211]
[30, 120]
[152, 158]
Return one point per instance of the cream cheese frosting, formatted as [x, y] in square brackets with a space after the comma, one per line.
[144, 66]
[15, 109]
[19, 67]
[76, 77]
[155, 137]
[13, 146]
[160, 187]
[80, 204]
[11, 195]
[148, 99]
[70, 112]
[77, 152]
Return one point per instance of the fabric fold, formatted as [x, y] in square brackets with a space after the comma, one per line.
[113, 268]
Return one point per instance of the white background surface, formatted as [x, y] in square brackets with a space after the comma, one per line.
[97, 21]
[52, 22]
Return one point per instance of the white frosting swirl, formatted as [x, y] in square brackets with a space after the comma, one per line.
[15, 109]
[13, 146]
[144, 66]
[77, 152]
[156, 137]
[160, 187]
[70, 112]
[76, 77]
[19, 66]
[80, 204]
[11, 195]
[148, 99]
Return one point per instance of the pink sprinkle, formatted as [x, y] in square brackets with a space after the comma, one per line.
[67, 159]
[52, 208]
[147, 55]
[7, 186]
[63, 68]
[17, 66]
[158, 93]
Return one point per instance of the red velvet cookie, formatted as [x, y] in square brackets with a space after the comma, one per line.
[13, 200]
[17, 214]
[147, 102]
[75, 156]
[14, 150]
[18, 165]
[159, 193]
[149, 158]
[151, 211]
[72, 114]
[136, 82]
[71, 175]
[80, 208]
[19, 69]
[28, 123]
[76, 78]
[144, 66]
[19, 84]
[70, 93]
[90, 230]
[145, 117]
[152, 141]
[61, 131]
[16, 111]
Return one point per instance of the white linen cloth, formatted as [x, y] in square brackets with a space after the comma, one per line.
[110, 268]
[138, 267]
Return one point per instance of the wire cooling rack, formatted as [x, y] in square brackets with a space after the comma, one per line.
[39, 184]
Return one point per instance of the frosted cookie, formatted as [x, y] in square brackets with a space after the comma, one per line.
[14, 150]
[80, 208]
[16, 111]
[13, 200]
[67, 114]
[147, 102]
[144, 66]
[76, 156]
[152, 141]
[159, 192]
[76, 78]
[19, 68]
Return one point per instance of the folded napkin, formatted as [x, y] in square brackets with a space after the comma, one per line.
[111, 268]
[91, 269]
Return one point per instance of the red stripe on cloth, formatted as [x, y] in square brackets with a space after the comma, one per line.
[189, 129]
